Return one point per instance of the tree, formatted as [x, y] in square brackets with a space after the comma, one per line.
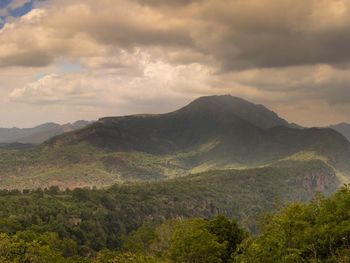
[13, 249]
[314, 232]
[127, 257]
[139, 240]
[227, 232]
[193, 243]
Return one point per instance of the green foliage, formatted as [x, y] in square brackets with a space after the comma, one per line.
[16, 248]
[139, 241]
[192, 242]
[199, 240]
[315, 232]
[173, 241]
[127, 257]
[228, 233]
[98, 219]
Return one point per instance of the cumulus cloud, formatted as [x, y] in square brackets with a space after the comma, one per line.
[118, 83]
[281, 53]
[237, 34]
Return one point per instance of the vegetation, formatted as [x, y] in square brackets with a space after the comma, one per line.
[97, 219]
[314, 232]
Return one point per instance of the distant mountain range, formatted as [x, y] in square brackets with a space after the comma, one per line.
[343, 128]
[211, 133]
[38, 134]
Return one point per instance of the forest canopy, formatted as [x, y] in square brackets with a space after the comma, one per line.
[36, 227]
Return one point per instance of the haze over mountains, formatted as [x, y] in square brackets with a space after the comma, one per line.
[38, 134]
[22, 137]
[211, 133]
[343, 128]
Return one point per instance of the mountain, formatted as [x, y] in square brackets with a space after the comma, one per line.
[211, 133]
[39, 133]
[16, 146]
[204, 118]
[343, 128]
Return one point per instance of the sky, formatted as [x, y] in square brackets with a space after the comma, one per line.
[65, 60]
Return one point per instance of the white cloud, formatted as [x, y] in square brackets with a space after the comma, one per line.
[128, 79]
[237, 34]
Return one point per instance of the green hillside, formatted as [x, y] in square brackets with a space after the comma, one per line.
[105, 215]
[153, 223]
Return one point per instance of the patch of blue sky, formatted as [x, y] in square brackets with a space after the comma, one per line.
[4, 3]
[67, 67]
[15, 12]
[61, 68]
[22, 10]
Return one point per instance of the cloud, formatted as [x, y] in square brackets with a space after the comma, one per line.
[134, 78]
[294, 84]
[290, 55]
[14, 8]
[136, 85]
[237, 34]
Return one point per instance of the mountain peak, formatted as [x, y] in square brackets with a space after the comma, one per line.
[229, 105]
[223, 100]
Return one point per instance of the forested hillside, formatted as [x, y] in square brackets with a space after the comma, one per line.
[105, 215]
[87, 226]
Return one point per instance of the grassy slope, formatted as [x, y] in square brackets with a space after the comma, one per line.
[84, 165]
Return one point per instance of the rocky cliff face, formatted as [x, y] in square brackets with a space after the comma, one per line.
[322, 181]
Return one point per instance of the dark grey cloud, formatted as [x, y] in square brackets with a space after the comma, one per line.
[38, 58]
[236, 35]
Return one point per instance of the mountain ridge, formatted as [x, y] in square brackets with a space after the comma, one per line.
[211, 133]
[220, 111]
[39, 133]
[343, 128]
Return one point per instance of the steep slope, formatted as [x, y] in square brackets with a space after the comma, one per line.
[343, 128]
[39, 133]
[217, 132]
